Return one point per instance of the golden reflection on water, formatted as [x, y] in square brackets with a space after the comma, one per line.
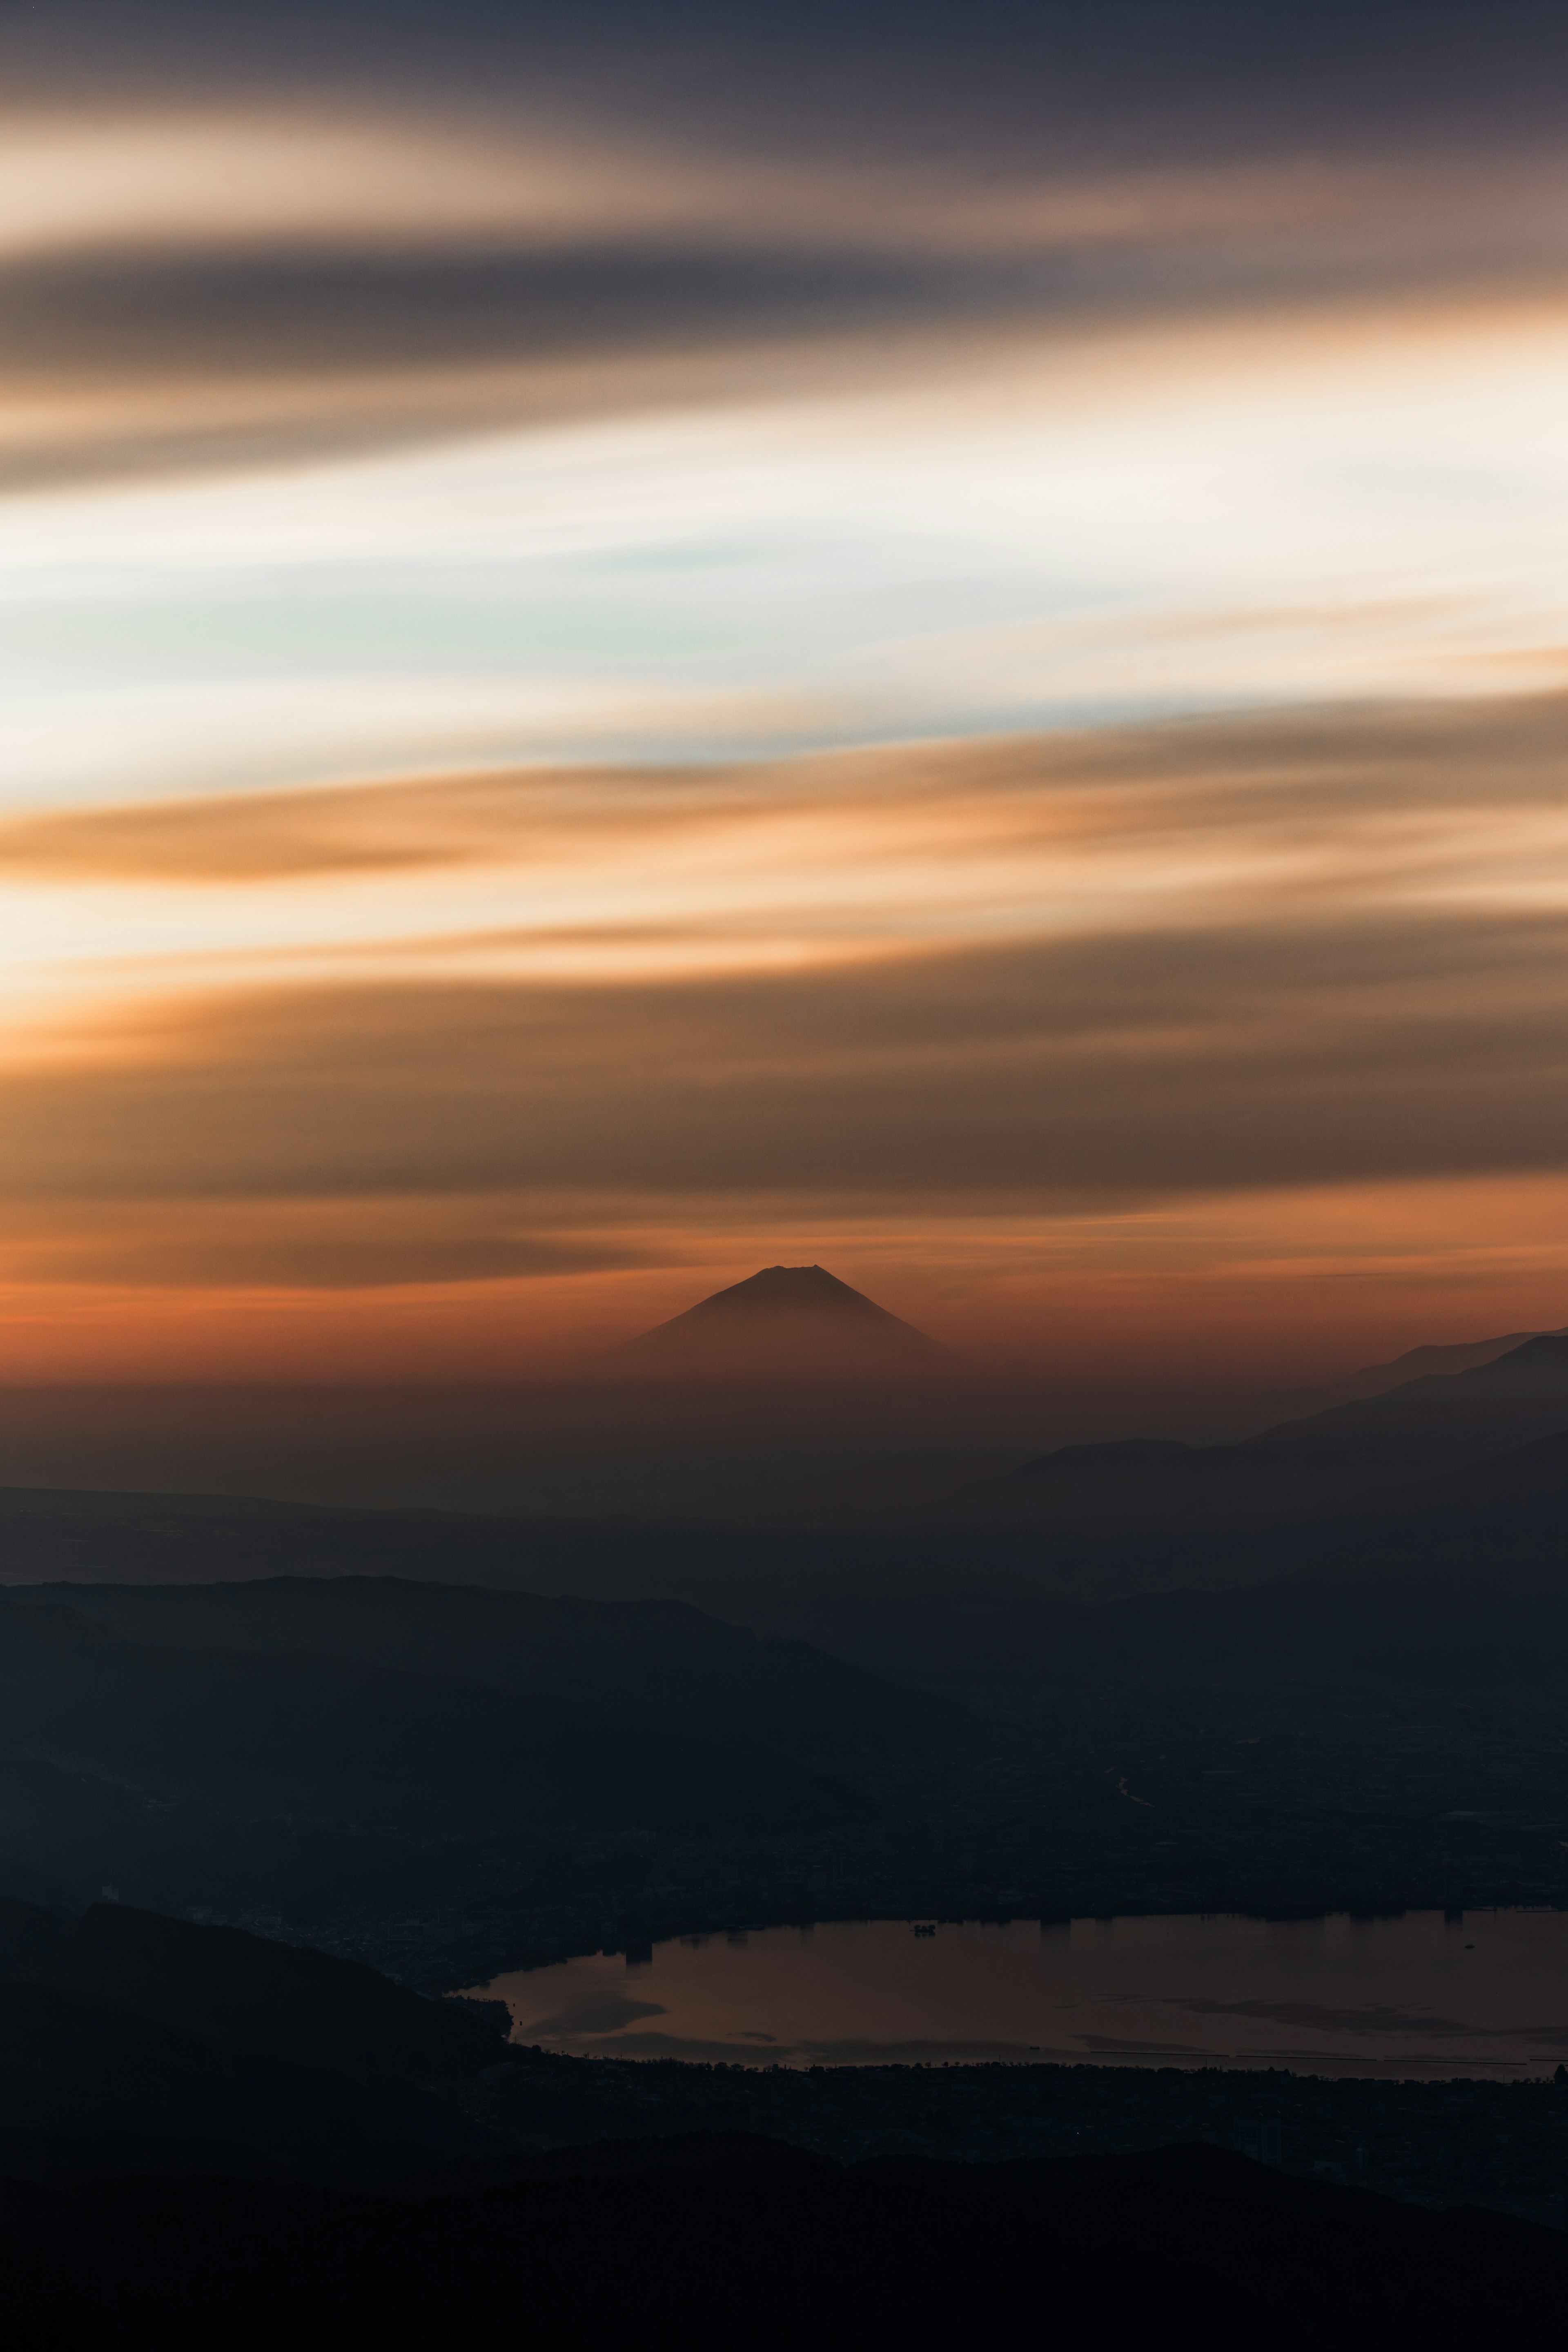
[1421, 1996]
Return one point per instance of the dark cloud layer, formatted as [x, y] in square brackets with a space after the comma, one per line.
[987, 73]
[257, 314]
[1112, 1068]
[1360, 997]
[888, 128]
[498, 328]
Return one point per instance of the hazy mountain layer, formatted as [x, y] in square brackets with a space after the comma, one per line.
[1418, 1363]
[1327, 1462]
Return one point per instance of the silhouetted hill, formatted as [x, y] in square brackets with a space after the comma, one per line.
[1420, 1363]
[1529, 1481]
[787, 1322]
[138, 1539]
[303, 1787]
[1462, 1577]
[365, 1741]
[1464, 1624]
[669, 2244]
[657, 1664]
[85, 2081]
[247, 1992]
[1327, 1463]
[1435, 1423]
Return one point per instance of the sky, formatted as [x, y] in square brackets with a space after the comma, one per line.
[640, 641]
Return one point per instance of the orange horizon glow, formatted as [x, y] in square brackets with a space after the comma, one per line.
[1286, 1290]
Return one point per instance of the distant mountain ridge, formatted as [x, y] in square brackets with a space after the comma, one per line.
[788, 1322]
[1420, 1363]
[1345, 1456]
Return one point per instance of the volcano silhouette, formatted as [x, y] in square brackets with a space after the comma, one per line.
[789, 1322]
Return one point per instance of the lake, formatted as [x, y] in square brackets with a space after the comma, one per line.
[1424, 1995]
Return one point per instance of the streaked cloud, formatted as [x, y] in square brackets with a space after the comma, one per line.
[1053, 999]
[590, 676]
[1120, 1067]
[1054, 538]
[1189, 829]
[229, 283]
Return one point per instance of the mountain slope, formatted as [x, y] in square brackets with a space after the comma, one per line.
[1436, 1422]
[787, 1322]
[1418, 1363]
[305, 1788]
[415, 1752]
[247, 1992]
[86, 2085]
[1340, 1458]
[656, 1664]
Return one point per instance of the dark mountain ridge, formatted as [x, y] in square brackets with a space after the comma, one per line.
[247, 1992]
[1353, 1484]
[362, 1742]
[133, 2042]
[1460, 1579]
[88, 2085]
[658, 1664]
[1417, 1364]
[1346, 1456]
[309, 1788]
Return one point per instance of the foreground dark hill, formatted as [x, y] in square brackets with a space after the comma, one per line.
[156, 2170]
[725, 2240]
[787, 1322]
[88, 2086]
[246, 1993]
[130, 2041]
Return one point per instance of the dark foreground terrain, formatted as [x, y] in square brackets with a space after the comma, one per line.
[392, 1754]
[207, 2135]
[131, 2043]
[716, 2240]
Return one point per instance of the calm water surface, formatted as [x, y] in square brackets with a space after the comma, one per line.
[1424, 1996]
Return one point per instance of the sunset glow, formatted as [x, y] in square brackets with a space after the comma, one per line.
[999, 729]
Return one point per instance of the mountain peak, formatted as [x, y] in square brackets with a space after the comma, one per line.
[789, 1290]
[789, 1322]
